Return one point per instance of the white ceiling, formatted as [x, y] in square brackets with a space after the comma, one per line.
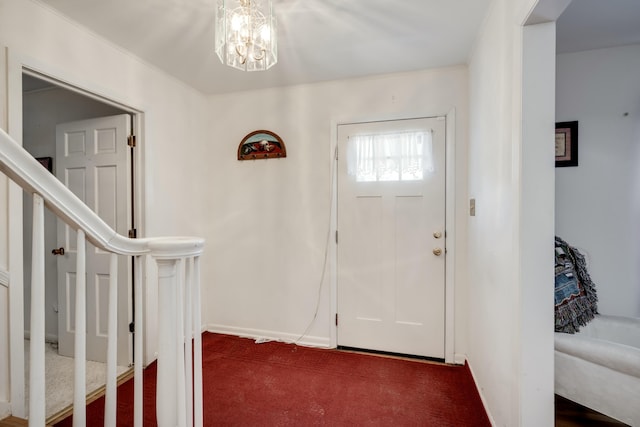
[329, 39]
[596, 24]
[318, 39]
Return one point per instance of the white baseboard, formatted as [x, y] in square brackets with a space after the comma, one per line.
[482, 398]
[308, 341]
[459, 358]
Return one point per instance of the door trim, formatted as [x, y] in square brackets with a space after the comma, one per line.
[17, 65]
[450, 197]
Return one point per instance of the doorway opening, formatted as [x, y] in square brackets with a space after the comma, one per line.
[49, 108]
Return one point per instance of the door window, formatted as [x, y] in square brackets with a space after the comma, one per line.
[400, 156]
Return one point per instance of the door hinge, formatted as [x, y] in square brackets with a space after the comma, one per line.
[336, 237]
[336, 319]
[133, 233]
[131, 140]
[132, 327]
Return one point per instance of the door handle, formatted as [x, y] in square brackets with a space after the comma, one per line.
[437, 251]
[59, 251]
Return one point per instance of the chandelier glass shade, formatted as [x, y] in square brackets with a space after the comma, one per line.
[246, 34]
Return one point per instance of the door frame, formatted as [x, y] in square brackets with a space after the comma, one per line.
[17, 65]
[450, 215]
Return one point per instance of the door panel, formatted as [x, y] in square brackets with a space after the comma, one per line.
[391, 199]
[92, 158]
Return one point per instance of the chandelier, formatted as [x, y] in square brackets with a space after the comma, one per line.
[246, 36]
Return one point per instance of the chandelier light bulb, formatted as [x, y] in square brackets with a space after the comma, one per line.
[246, 34]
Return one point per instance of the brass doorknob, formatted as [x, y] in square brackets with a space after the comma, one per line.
[59, 251]
[437, 251]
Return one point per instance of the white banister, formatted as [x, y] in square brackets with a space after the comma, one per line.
[188, 336]
[36, 373]
[179, 384]
[112, 345]
[167, 384]
[180, 338]
[80, 335]
[138, 359]
[197, 346]
[167, 253]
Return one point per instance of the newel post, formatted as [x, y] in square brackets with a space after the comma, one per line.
[37, 402]
[170, 393]
[167, 385]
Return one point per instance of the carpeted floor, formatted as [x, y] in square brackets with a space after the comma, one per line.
[276, 384]
[59, 378]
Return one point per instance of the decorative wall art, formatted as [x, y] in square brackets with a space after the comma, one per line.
[566, 144]
[261, 144]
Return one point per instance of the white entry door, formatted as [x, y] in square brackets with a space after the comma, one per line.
[92, 160]
[391, 241]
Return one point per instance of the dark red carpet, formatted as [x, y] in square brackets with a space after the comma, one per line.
[276, 384]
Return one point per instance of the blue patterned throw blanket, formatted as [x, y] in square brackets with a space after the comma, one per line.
[576, 302]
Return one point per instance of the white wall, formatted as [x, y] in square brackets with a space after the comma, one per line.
[175, 117]
[4, 353]
[493, 286]
[510, 170]
[598, 202]
[191, 140]
[269, 218]
[536, 223]
[5, 380]
[174, 122]
[42, 110]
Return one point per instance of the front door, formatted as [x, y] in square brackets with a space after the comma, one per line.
[391, 241]
[92, 158]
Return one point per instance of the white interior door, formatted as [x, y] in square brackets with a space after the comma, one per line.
[391, 246]
[92, 159]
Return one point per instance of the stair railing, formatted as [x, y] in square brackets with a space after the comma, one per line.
[179, 369]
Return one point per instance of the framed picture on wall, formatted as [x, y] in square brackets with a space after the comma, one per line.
[566, 144]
